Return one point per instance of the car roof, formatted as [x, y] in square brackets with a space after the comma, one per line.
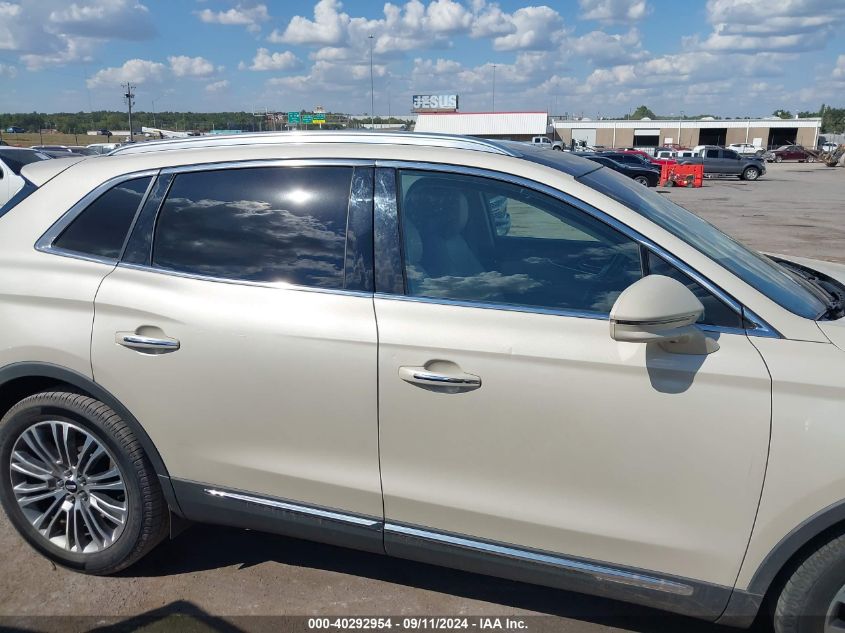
[544, 156]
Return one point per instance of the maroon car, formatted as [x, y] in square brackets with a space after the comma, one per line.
[791, 152]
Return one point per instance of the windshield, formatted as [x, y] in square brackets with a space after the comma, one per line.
[16, 158]
[755, 269]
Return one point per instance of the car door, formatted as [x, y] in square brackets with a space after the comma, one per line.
[5, 179]
[513, 426]
[239, 330]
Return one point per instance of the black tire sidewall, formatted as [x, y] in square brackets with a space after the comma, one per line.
[750, 170]
[40, 410]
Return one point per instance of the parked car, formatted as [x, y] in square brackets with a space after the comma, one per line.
[746, 149]
[545, 141]
[637, 159]
[14, 129]
[646, 175]
[12, 160]
[53, 148]
[103, 148]
[83, 150]
[719, 161]
[828, 147]
[594, 403]
[791, 152]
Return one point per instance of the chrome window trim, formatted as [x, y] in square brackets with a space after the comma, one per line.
[45, 242]
[278, 285]
[332, 515]
[594, 570]
[761, 328]
[267, 162]
[286, 138]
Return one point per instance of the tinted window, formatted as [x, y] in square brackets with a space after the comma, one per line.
[731, 154]
[16, 159]
[475, 239]
[101, 228]
[715, 311]
[712, 153]
[262, 224]
[755, 269]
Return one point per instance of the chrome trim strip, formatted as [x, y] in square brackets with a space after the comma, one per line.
[596, 571]
[441, 379]
[45, 242]
[295, 507]
[762, 326]
[282, 138]
[279, 285]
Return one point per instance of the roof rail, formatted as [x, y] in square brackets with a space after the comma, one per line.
[273, 138]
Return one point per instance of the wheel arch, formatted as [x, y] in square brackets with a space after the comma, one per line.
[20, 380]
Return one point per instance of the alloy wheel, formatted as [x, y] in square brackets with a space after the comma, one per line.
[69, 487]
[834, 622]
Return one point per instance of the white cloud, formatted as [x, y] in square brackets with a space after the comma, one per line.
[610, 11]
[603, 49]
[217, 86]
[535, 28]
[53, 32]
[137, 71]
[758, 25]
[250, 16]
[329, 26]
[839, 69]
[184, 66]
[265, 60]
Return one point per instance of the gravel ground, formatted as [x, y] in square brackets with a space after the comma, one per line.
[220, 579]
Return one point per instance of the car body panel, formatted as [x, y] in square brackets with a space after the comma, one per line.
[260, 421]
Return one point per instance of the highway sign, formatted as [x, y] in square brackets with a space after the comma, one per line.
[307, 118]
[293, 117]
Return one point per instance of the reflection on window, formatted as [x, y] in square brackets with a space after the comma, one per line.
[476, 239]
[276, 224]
[101, 228]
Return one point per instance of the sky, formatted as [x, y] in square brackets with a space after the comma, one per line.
[588, 57]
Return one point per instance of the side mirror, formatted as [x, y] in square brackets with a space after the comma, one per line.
[656, 308]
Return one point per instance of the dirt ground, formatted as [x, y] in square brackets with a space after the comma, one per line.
[221, 579]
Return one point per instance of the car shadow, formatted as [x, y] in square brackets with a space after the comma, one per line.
[205, 547]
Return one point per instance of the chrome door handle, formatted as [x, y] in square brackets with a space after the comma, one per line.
[146, 343]
[425, 377]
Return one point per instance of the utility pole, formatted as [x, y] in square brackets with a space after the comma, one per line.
[154, 113]
[494, 87]
[372, 88]
[129, 98]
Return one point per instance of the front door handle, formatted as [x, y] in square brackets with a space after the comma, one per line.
[146, 343]
[437, 379]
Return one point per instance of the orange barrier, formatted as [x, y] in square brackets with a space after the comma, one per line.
[681, 175]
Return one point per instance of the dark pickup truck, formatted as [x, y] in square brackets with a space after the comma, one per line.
[719, 161]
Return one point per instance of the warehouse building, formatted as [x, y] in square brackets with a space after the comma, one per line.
[514, 126]
[646, 133]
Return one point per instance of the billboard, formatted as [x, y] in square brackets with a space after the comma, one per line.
[435, 103]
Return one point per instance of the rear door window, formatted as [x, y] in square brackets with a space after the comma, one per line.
[101, 229]
[263, 224]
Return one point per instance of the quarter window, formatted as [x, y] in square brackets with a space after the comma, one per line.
[270, 224]
[101, 228]
[476, 239]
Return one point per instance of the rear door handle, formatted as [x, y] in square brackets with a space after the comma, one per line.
[146, 343]
[437, 380]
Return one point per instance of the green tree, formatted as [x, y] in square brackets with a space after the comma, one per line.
[783, 114]
[643, 112]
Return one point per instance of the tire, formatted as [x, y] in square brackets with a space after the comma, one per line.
[778, 159]
[103, 507]
[814, 591]
[811, 159]
[643, 180]
[750, 173]
[559, 149]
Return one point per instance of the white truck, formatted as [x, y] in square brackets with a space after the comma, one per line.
[545, 141]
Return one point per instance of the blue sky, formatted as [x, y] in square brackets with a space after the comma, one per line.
[592, 57]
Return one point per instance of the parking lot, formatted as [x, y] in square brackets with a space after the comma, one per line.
[218, 576]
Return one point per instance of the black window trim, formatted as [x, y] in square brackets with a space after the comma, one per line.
[758, 327]
[169, 173]
[46, 243]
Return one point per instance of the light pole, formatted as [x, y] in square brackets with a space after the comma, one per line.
[372, 88]
[494, 88]
[129, 97]
[154, 113]
[679, 127]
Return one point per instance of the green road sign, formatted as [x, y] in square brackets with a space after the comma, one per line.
[320, 117]
[307, 118]
[293, 117]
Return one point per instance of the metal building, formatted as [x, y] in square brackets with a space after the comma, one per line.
[767, 133]
[516, 126]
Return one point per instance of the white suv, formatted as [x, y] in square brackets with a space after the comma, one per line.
[473, 353]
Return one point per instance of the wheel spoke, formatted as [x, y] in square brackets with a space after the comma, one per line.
[25, 501]
[24, 465]
[98, 452]
[26, 489]
[98, 535]
[54, 511]
[38, 450]
[113, 511]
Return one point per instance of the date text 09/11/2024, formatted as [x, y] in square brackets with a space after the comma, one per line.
[423, 623]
